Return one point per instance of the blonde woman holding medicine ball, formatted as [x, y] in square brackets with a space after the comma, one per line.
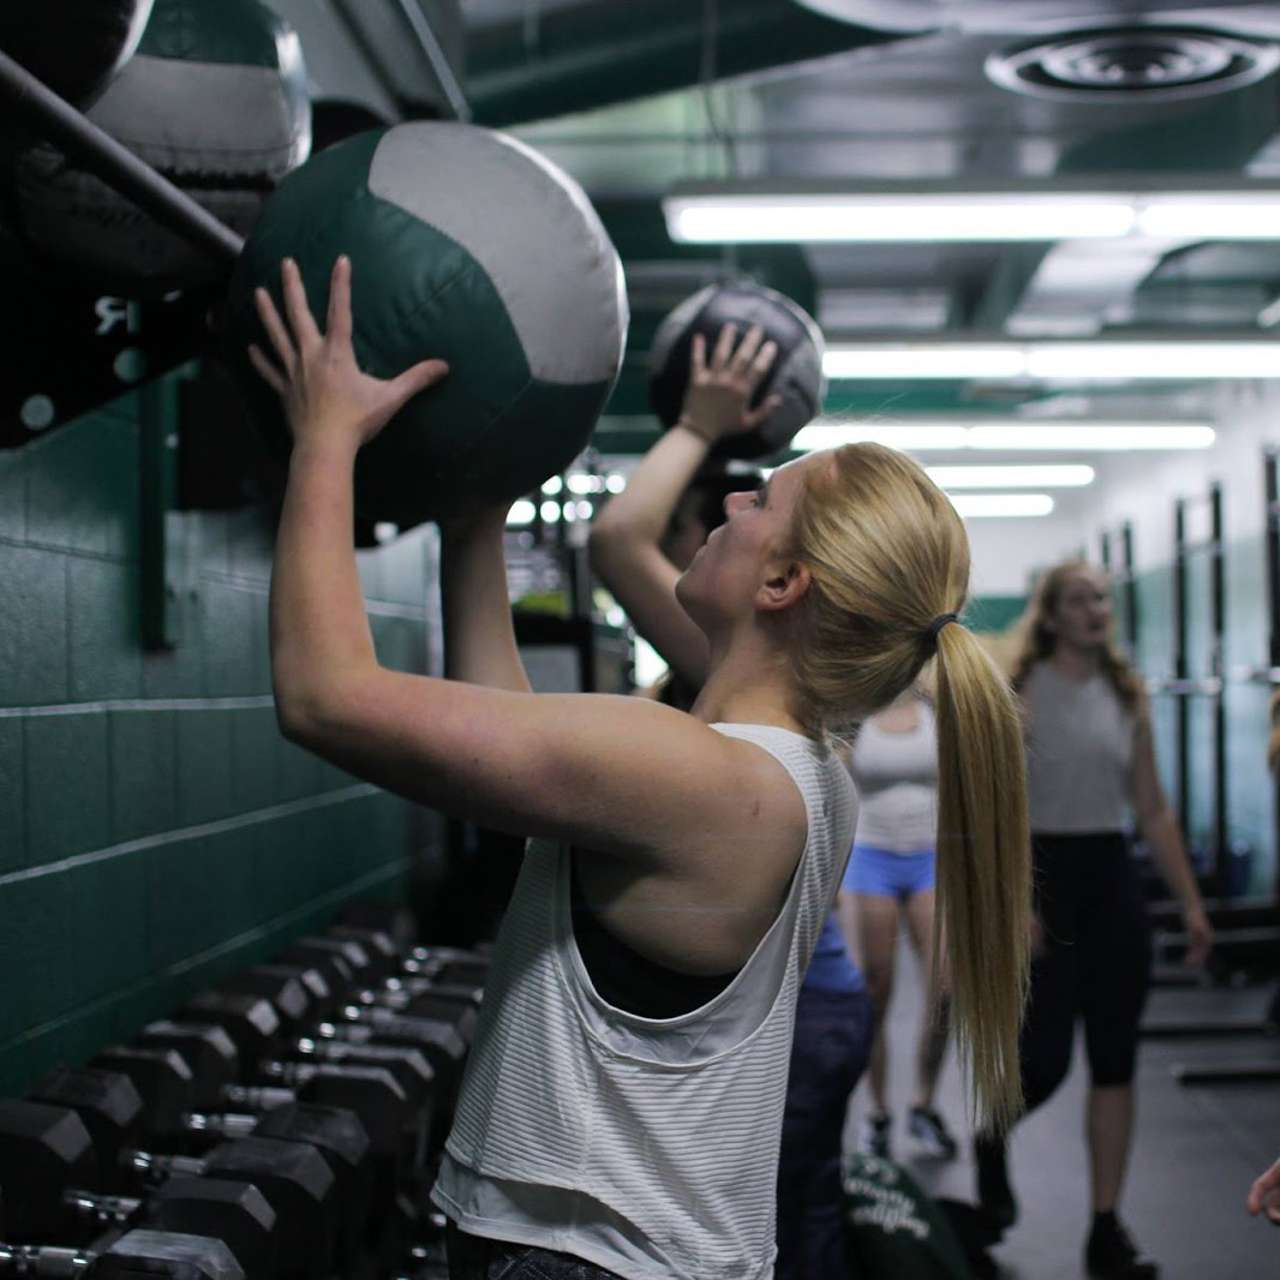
[593, 1140]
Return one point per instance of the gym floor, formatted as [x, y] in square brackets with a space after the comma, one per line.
[1195, 1154]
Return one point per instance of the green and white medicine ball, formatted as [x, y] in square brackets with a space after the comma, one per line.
[216, 99]
[467, 246]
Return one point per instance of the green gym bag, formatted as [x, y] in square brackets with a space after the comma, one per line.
[893, 1230]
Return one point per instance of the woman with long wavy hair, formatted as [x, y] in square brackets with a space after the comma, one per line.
[1090, 765]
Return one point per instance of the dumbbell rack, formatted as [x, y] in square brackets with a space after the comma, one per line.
[244, 1026]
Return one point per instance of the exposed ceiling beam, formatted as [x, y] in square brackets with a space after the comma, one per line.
[607, 51]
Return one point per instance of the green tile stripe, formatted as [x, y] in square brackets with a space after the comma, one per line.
[79, 1033]
[252, 702]
[198, 832]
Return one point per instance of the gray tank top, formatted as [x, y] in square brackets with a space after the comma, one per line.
[648, 1147]
[897, 779]
[1079, 753]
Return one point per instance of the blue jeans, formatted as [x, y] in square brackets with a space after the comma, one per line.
[471, 1258]
[830, 1050]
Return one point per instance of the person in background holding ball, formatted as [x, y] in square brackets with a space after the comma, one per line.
[591, 1139]
[1264, 1195]
[640, 544]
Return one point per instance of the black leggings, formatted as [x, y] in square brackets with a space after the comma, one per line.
[1096, 962]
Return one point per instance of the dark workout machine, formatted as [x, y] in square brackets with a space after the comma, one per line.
[1120, 569]
[1195, 701]
[1265, 1067]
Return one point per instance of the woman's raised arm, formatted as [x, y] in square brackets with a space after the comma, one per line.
[479, 638]
[612, 775]
[626, 538]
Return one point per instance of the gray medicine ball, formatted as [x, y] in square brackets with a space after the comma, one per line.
[796, 374]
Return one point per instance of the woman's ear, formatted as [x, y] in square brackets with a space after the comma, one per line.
[786, 584]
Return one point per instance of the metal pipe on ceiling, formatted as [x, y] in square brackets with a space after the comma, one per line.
[437, 59]
[602, 52]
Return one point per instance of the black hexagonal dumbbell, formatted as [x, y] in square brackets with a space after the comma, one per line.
[338, 1135]
[442, 1040]
[297, 1014]
[394, 919]
[48, 1164]
[446, 983]
[351, 980]
[175, 1114]
[363, 1023]
[136, 1253]
[438, 1042]
[293, 1176]
[251, 1021]
[206, 1048]
[396, 1122]
[388, 1086]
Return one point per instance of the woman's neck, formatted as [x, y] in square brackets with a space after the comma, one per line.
[1076, 664]
[750, 685]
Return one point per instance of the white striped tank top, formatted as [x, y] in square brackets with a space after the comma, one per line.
[647, 1147]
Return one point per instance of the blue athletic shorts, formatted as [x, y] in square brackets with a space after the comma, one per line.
[888, 875]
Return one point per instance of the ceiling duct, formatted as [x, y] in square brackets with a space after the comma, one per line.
[1133, 64]
[1045, 18]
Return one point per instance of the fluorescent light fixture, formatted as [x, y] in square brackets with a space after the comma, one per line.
[1067, 476]
[1216, 217]
[761, 211]
[1093, 437]
[1009, 435]
[930, 218]
[1153, 359]
[907, 361]
[1001, 505]
[522, 512]
[906, 436]
[1080, 359]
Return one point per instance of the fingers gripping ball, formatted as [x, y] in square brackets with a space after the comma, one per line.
[465, 246]
[216, 99]
[75, 47]
[796, 375]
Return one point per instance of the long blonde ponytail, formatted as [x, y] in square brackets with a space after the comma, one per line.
[888, 555]
[984, 869]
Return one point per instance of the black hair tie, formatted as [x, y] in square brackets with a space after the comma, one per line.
[938, 623]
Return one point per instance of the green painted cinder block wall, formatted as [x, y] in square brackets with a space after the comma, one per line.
[156, 831]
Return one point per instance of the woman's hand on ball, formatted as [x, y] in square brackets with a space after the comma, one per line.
[325, 395]
[720, 390]
[1264, 1195]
